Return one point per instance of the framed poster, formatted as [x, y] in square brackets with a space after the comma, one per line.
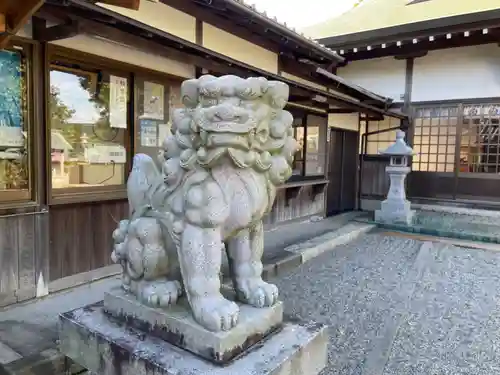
[11, 100]
[118, 95]
[154, 101]
[148, 133]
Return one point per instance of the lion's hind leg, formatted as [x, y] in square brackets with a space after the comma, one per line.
[157, 287]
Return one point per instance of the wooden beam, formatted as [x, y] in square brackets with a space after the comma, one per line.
[411, 55]
[16, 15]
[58, 32]
[129, 4]
[410, 49]
[341, 110]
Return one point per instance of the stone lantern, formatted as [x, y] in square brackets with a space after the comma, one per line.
[396, 208]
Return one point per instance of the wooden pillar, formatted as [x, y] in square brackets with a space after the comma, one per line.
[3, 23]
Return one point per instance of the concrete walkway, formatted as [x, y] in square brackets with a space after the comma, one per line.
[28, 333]
[399, 305]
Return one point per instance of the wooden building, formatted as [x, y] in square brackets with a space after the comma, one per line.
[86, 85]
[440, 61]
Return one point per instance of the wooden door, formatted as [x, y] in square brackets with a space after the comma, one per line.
[343, 171]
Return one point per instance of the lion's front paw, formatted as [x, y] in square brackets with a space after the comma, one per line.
[215, 313]
[257, 292]
[160, 293]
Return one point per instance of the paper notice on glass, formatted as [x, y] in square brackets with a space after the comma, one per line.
[106, 154]
[149, 136]
[118, 93]
[163, 132]
[11, 136]
[154, 102]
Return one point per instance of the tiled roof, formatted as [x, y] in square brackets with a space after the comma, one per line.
[58, 142]
[380, 14]
[283, 25]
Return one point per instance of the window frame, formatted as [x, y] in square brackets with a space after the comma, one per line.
[22, 198]
[303, 114]
[322, 131]
[438, 123]
[94, 193]
[480, 122]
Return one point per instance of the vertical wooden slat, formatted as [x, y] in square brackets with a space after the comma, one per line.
[84, 220]
[70, 237]
[42, 253]
[83, 239]
[103, 249]
[9, 270]
[26, 252]
[56, 244]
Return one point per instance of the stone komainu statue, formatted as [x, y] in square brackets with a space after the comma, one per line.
[218, 170]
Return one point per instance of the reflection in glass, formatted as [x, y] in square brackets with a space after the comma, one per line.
[88, 122]
[315, 151]
[480, 139]
[384, 138]
[14, 174]
[434, 140]
[155, 105]
[298, 161]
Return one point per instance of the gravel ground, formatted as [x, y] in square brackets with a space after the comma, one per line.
[401, 306]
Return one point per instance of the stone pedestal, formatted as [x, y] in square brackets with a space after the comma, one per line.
[396, 208]
[177, 325]
[109, 346]
[205, 194]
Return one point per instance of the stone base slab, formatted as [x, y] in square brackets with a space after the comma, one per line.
[109, 347]
[176, 325]
[395, 211]
[394, 217]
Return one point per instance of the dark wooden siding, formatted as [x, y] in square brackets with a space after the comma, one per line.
[374, 183]
[23, 255]
[81, 236]
[305, 201]
[431, 185]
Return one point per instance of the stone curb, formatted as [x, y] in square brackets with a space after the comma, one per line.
[457, 210]
[468, 244]
[316, 246]
[54, 363]
[300, 253]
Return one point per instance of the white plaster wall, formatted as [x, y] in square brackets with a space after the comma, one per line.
[239, 49]
[161, 17]
[457, 73]
[126, 54]
[384, 76]
[348, 121]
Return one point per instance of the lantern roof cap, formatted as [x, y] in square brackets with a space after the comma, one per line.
[398, 148]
